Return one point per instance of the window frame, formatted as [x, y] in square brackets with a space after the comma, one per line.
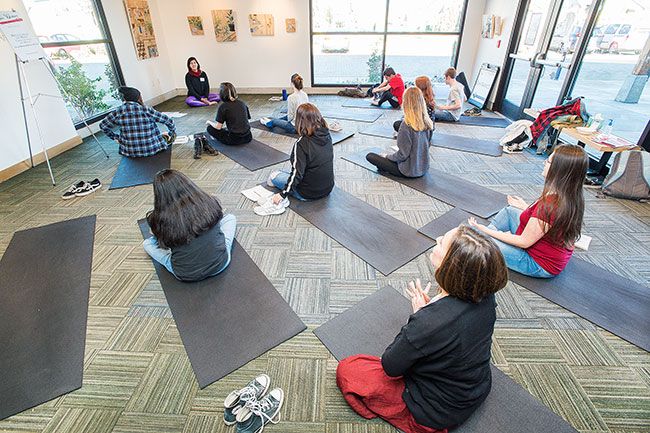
[385, 34]
[107, 40]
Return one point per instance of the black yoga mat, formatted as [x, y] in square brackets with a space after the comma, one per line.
[363, 229]
[371, 325]
[140, 171]
[337, 137]
[350, 114]
[227, 320]
[448, 221]
[610, 301]
[450, 189]
[494, 122]
[448, 141]
[365, 103]
[44, 287]
[253, 156]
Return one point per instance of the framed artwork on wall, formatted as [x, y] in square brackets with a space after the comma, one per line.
[224, 25]
[290, 25]
[196, 25]
[144, 39]
[261, 24]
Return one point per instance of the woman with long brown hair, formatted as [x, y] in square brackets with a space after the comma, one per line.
[413, 140]
[537, 240]
[424, 84]
[437, 370]
[192, 238]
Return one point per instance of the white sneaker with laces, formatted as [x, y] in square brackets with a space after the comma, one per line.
[271, 209]
[265, 121]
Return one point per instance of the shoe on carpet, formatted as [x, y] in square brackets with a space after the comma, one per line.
[512, 148]
[198, 147]
[335, 126]
[265, 121]
[269, 208]
[261, 413]
[207, 148]
[79, 189]
[95, 184]
[237, 399]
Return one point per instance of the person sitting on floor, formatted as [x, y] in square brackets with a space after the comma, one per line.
[192, 238]
[138, 133]
[413, 140]
[454, 108]
[391, 89]
[198, 86]
[297, 98]
[538, 240]
[234, 114]
[312, 163]
[424, 84]
[436, 372]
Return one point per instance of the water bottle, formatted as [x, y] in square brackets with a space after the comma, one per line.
[607, 129]
[284, 94]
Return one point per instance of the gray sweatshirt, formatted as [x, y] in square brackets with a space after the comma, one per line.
[412, 156]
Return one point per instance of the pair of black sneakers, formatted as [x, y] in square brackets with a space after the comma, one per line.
[253, 406]
[201, 145]
[81, 189]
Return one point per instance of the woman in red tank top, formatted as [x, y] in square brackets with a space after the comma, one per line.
[537, 240]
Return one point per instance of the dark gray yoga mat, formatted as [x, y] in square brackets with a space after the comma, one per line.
[44, 288]
[227, 320]
[450, 189]
[365, 103]
[448, 141]
[493, 122]
[371, 325]
[253, 156]
[617, 304]
[363, 229]
[140, 171]
[351, 114]
[447, 221]
[337, 137]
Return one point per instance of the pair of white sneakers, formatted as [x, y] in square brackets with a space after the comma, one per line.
[266, 206]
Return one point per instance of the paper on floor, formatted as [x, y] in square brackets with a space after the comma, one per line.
[583, 242]
[174, 114]
[257, 194]
[182, 139]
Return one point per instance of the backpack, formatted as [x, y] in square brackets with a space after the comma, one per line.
[629, 177]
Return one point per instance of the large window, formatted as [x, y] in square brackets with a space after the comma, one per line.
[76, 38]
[353, 40]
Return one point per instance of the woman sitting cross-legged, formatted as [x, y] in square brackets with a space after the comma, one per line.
[436, 372]
[198, 86]
[312, 164]
[538, 240]
[413, 140]
[424, 84]
[297, 97]
[192, 237]
[231, 126]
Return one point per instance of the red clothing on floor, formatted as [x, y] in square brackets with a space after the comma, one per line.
[397, 87]
[372, 393]
[543, 121]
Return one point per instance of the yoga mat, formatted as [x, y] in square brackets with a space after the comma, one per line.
[494, 122]
[448, 221]
[351, 114]
[140, 171]
[450, 189]
[448, 141]
[227, 320]
[44, 288]
[253, 156]
[337, 137]
[365, 103]
[616, 304]
[371, 325]
[384, 242]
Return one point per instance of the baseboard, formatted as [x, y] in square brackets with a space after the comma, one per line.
[39, 158]
[270, 91]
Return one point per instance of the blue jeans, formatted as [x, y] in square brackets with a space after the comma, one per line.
[283, 123]
[280, 181]
[228, 226]
[517, 259]
[444, 116]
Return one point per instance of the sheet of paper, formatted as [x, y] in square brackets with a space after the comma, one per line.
[257, 193]
[583, 242]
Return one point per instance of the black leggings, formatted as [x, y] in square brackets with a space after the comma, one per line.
[229, 138]
[388, 96]
[384, 164]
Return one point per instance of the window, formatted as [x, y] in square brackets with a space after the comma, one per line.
[75, 37]
[354, 40]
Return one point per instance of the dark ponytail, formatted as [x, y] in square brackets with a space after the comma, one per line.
[296, 80]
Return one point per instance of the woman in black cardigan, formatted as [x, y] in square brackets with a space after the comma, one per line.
[198, 86]
[437, 370]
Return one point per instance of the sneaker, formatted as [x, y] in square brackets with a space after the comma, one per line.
[513, 148]
[271, 209]
[236, 400]
[96, 184]
[261, 413]
[265, 121]
[79, 187]
[272, 175]
[375, 102]
[335, 126]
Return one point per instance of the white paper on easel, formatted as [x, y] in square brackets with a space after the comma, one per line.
[21, 37]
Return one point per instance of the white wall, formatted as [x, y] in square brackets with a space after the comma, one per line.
[469, 43]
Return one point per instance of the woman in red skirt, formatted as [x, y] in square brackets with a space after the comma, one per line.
[437, 370]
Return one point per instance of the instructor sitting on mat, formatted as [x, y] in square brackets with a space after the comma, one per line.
[198, 86]
[297, 97]
[538, 240]
[413, 140]
[192, 237]
[139, 135]
[436, 372]
[391, 89]
[454, 108]
[234, 114]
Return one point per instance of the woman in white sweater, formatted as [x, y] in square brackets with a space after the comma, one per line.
[296, 98]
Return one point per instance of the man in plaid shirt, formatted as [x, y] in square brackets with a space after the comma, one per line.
[138, 133]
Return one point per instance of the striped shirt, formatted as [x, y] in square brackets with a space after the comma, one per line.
[138, 133]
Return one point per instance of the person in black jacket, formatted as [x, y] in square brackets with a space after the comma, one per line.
[231, 126]
[312, 160]
[198, 86]
[437, 370]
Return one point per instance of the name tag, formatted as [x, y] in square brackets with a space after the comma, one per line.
[202, 79]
